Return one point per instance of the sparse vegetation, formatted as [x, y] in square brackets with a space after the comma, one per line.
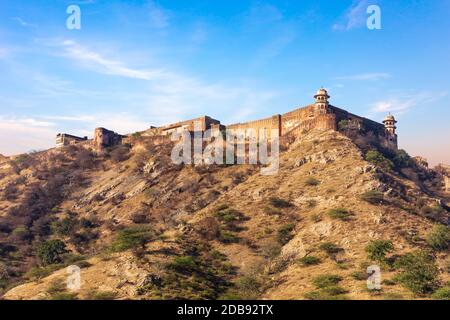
[183, 264]
[439, 238]
[311, 181]
[442, 293]
[339, 213]
[377, 250]
[378, 159]
[285, 233]
[373, 197]
[132, 238]
[418, 272]
[279, 203]
[328, 288]
[50, 252]
[309, 261]
[102, 295]
[330, 248]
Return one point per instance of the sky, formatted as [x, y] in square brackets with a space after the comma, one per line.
[134, 64]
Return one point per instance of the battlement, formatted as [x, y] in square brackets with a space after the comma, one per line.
[320, 115]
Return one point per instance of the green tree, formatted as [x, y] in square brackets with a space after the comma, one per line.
[50, 252]
[378, 159]
[418, 272]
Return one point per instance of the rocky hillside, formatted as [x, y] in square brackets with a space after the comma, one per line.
[140, 227]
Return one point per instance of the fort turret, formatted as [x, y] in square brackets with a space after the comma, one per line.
[321, 104]
[390, 127]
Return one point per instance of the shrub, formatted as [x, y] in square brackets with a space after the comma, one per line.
[102, 295]
[330, 248]
[339, 213]
[208, 228]
[183, 264]
[333, 290]
[378, 159]
[359, 275]
[229, 215]
[84, 159]
[228, 237]
[139, 218]
[418, 272]
[120, 153]
[279, 203]
[132, 238]
[42, 272]
[284, 233]
[442, 293]
[439, 238]
[311, 203]
[402, 159]
[434, 212]
[271, 211]
[309, 261]
[56, 286]
[326, 280]
[312, 182]
[249, 286]
[377, 250]
[50, 252]
[373, 197]
[64, 296]
[21, 233]
[64, 227]
[10, 192]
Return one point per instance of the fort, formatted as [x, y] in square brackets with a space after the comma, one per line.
[320, 115]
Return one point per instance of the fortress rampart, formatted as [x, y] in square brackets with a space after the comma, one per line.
[320, 115]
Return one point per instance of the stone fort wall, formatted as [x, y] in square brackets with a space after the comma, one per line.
[319, 115]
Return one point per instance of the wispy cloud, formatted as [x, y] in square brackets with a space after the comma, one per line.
[406, 102]
[71, 49]
[24, 23]
[366, 76]
[354, 17]
[159, 17]
[168, 89]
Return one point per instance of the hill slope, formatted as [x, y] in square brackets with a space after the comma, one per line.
[143, 228]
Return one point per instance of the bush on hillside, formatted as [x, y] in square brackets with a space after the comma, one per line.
[377, 250]
[132, 238]
[51, 251]
[378, 159]
[373, 197]
[418, 272]
[439, 238]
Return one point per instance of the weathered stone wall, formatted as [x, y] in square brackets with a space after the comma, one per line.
[64, 139]
[204, 122]
[104, 138]
[268, 124]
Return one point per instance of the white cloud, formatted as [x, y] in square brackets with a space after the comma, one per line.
[25, 135]
[366, 76]
[403, 103]
[354, 17]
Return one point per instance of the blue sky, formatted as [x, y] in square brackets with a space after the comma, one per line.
[139, 63]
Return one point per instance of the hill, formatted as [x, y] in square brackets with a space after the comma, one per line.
[141, 227]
